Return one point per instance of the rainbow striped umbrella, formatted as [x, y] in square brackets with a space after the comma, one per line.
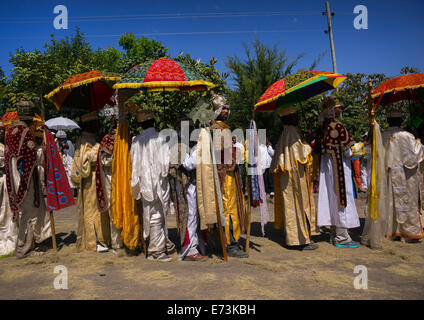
[296, 88]
[163, 75]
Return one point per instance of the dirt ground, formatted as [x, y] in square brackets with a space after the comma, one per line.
[272, 271]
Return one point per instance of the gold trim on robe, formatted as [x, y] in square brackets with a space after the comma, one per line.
[294, 206]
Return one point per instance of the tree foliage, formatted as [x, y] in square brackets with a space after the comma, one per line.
[37, 72]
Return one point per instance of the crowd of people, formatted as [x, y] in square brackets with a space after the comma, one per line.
[208, 197]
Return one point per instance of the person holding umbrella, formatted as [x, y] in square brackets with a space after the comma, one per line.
[150, 159]
[24, 178]
[336, 204]
[66, 150]
[294, 205]
[8, 227]
[229, 178]
[404, 153]
[93, 225]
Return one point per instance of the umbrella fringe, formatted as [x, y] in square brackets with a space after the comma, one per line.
[168, 84]
[375, 95]
[77, 84]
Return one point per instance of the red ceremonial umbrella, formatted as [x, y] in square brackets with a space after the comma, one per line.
[407, 87]
[163, 75]
[89, 91]
[12, 116]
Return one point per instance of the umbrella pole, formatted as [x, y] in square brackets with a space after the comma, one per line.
[218, 200]
[52, 228]
[249, 208]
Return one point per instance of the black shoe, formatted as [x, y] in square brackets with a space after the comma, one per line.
[310, 246]
[237, 253]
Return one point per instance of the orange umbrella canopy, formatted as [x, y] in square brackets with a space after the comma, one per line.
[9, 117]
[84, 91]
[407, 87]
[12, 116]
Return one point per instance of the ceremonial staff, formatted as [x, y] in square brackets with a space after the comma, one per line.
[372, 195]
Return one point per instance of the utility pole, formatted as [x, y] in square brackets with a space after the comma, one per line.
[330, 32]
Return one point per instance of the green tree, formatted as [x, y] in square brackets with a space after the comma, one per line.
[352, 93]
[34, 74]
[138, 51]
[4, 93]
[109, 60]
[406, 70]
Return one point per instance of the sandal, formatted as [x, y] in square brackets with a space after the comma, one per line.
[351, 244]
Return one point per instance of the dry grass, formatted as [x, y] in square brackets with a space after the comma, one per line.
[405, 270]
[273, 273]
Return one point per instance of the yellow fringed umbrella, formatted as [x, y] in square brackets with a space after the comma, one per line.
[89, 91]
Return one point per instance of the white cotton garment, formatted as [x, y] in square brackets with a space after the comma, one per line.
[150, 165]
[329, 213]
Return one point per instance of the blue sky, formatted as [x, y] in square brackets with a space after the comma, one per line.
[218, 28]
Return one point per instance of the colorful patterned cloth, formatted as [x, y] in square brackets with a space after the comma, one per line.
[406, 87]
[19, 144]
[296, 88]
[58, 191]
[163, 74]
[257, 187]
[106, 145]
[335, 141]
[59, 95]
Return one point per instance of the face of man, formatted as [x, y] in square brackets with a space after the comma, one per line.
[92, 126]
[223, 116]
[234, 140]
[338, 111]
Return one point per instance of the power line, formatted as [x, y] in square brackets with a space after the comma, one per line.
[173, 33]
[104, 18]
[221, 32]
[160, 16]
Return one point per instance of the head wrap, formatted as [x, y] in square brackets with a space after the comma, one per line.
[286, 111]
[218, 103]
[89, 117]
[144, 115]
[25, 109]
[327, 105]
[394, 113]
[61, 134]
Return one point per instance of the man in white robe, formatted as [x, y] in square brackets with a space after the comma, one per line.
[8, 227]
[191, 250]
[67, 150]
[149, 182]
[403, 156]
[336, 204]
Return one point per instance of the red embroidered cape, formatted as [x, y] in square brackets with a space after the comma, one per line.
[58, 191]
[19, 144]
[106, 145]
[335, 141]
